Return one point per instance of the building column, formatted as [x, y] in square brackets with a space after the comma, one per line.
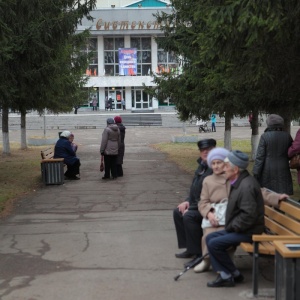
[153, 54]
[100, 56]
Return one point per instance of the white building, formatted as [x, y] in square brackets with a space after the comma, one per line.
[115, 28]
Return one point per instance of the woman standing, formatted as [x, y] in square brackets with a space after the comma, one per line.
[215, 188]
[271, 167]
[121, 151]
[109, 148]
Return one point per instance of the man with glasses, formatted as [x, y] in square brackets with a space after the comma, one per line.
[186, 216]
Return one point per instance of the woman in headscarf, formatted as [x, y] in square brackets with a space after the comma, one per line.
[63, 149]
[271, 166]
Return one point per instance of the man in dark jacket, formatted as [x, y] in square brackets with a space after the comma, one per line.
[63, 149]
[186, 216]
[244, 217]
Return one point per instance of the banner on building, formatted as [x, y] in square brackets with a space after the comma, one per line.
[127, 61]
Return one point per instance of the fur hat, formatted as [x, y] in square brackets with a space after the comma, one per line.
[275, 121]
[110, 121]
[217, 153]
[206, 143]
[65, 134]
[118, 119]
[238, 158]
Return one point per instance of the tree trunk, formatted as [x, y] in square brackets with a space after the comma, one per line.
[227, 132]
[255, 133]
[23, 131]
[5, 134]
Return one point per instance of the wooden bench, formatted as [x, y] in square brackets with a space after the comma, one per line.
[52, 168]
[281, 223]
[142, 120]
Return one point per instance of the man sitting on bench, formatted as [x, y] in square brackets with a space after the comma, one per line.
[244, 217]
[63, 149]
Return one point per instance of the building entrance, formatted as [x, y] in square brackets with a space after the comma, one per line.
[140, 99]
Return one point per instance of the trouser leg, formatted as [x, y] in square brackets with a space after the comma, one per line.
[218, 243]
[106, 166]
[180, 232]
[192, 221]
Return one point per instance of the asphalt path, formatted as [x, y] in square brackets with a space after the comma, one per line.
[95, 239]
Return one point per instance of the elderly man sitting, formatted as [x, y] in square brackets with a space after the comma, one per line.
[244, 217]
[63, 149]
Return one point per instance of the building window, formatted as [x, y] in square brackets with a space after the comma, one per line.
[111, 55]
[167, 62]
[92, 49]
[143, 46]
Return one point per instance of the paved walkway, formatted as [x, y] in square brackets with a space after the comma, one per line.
[109, 240]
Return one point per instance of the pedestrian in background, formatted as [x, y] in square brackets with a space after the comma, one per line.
[123, 104]
[122, 128]
[213, 122]
[109, 148]
[295, 149]
[271, 166]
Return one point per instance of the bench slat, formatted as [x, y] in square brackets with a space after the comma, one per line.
[282, 219]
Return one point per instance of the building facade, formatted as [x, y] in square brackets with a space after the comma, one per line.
[113, 30]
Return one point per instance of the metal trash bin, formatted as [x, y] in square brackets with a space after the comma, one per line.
[53, 171]
[287, 269]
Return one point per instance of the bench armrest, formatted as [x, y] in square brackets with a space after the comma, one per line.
[52, 160]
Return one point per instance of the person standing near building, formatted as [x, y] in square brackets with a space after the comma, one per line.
[94, 104]
[123, 104]
[122, 128]
[110, 103]
[106, 103]
[109, 148]
[213, 122]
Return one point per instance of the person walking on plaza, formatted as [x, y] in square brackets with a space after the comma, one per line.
[94, 103]
[271, 166]
[123, 104]
[110, 103]
[244, 217]
[213, 200]
[187, 217]
[122, 128]
[63, 149]
[109, 148]
[106, 103]
[213, 122]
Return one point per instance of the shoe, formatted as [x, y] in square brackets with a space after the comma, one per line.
[194, 262]
[238, 279]
[184, 254]
[105, 178]
[220, 282]
[203, 266]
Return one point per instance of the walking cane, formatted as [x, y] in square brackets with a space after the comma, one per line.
[196, 262]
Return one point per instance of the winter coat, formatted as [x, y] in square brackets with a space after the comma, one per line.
[194, 196]
[111, 140]
[121, 152]
[214, 189]
[245, 209]
[271, 167]
[295, 149]
[63, 149]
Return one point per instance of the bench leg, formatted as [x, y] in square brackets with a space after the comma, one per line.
[255, 269]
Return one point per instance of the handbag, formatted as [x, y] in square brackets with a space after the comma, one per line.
[295, 162]
[102, 164]
[220, 212]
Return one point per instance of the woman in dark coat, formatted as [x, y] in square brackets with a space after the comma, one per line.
[271, 167]
[63, 149]
[121, 152]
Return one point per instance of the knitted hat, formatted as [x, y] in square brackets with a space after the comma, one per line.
[217, 153]
[110, 121]
[207, 143]
[65, 134]
[275, 121]
[238, 158]
[118, 119]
